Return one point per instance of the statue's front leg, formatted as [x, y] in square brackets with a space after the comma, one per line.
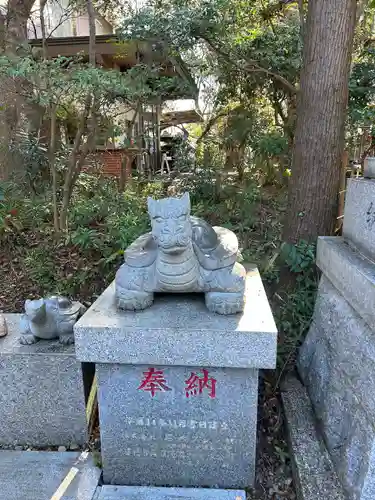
[130, 288]
[26, 335]
[225, 290]
[133, 300]
[66, 334]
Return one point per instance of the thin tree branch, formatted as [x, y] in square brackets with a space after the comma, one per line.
[251, 66]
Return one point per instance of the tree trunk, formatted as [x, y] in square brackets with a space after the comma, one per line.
[319, 138]
[80, 150]
[52, 166]
[13, 33]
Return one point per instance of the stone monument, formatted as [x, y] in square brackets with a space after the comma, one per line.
[50, 318]
[42, 401]
[181, 254]
[337, 359]
[178, 383]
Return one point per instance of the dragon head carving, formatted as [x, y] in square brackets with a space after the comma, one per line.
[171, 223]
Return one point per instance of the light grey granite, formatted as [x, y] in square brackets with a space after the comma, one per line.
[337, 365]
[352, 274]
[369, 168]
[179, 330]
[178, 436]
[359, 215]
[37, 475]
[42, 397]
[145, 493]
[313, 471]
[368, 489]
[181, 254]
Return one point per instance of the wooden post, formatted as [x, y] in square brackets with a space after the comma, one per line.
[342, 190]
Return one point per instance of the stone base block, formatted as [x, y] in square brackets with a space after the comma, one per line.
[352, 275]
[359, 215]
[313, 471]
[337, 365]
[177, 426]
[45, 475]
[42, 401]
[144, 493]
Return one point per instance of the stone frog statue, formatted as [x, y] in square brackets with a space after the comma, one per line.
[50, 318]
[181, 254]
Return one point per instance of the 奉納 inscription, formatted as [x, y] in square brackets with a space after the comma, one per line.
[197, 383]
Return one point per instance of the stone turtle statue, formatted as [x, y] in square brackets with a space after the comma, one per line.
[50, 318]
[181, 254]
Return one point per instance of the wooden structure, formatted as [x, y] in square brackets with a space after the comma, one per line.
[111, 53]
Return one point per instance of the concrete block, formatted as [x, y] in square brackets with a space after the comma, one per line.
[144, 493]
[42, 400]
[352, 274]
[39, 475]
[359, 215]
[203, 436]
[313, 470]
[178, 330]
[337, 365]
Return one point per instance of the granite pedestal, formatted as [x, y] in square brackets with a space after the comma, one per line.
[178, 388]
[337, 359]
[42, 400]
[46, 475]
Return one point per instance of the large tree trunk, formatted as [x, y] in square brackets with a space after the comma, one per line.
[319, 138]
[13, 33]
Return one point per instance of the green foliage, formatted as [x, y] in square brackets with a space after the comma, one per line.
[362, 89]
[40, 267]
[33, 154]
[299, 257]
[295, 304]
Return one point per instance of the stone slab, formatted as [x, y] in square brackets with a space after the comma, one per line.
[359, 215]
[179, 330]
[37, 475]
[313, 470]
[169, 439]
[145, 493]
[337, 365]
[42, 400]
[369, 168]
[352, 274]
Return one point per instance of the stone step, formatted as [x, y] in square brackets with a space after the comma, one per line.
[47, 475]
[148, 493]
[359, 215]
[351, 274]
[313, 471]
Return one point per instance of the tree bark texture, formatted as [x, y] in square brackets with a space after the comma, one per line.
[13, 33]
[321, 111]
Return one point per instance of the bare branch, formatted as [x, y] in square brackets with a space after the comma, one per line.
[250, 66]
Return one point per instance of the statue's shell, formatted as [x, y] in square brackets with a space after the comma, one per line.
[215, 247]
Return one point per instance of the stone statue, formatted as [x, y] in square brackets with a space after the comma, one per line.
[3, 326]
[50, 318]
[181, 254]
